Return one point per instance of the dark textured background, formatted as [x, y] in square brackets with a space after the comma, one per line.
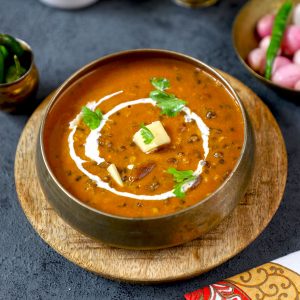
[63, 41]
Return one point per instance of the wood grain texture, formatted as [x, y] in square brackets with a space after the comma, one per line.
[247, 221]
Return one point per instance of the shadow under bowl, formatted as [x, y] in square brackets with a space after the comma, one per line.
[153, 232]
[245, 38]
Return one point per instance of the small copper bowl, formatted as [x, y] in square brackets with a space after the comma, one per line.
[245, 38]
[15, 94]
[153, 232]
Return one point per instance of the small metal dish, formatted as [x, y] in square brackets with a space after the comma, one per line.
[195, 3]
[155, 232]
[245, 38]
[15, 94]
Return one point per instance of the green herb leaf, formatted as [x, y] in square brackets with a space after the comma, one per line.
[178, 192]
[91, 118]
[15, 72]
[4, 51]
[159, 96]
[160, 83]
[146, 134]
[278, 30]
[181, 178]
[12, 44]
[169, 104]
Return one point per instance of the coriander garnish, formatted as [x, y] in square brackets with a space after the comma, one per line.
[91, 118]
[169, 104]
[181, 178]
[160, 83]
[147, 134]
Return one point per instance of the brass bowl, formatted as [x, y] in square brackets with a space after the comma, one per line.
[245, 38]
[153, 232]
[195, 3]
[15, 94]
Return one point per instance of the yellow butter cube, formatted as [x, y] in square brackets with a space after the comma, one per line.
[160, 137]
[114, 173]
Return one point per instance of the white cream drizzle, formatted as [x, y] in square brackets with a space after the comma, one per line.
[91, 145]
[92, 152]
[189, 116]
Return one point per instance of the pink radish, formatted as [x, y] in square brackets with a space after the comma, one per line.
[297, 86]
[264, 25]
[265, 42]
[279, 62]
[256, 58]
[296, 58]
[287, 76]
[291, 40]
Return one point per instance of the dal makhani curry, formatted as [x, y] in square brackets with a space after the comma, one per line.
[142, 138]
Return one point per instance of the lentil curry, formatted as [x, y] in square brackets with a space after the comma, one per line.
[206, 134]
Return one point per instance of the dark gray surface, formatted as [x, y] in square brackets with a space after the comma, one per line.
[63, 41]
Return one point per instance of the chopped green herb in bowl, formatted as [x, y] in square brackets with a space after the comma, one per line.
[13, 62]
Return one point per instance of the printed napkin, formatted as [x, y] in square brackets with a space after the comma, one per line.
[279, 279]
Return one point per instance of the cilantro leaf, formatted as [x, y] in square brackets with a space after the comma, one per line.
[91, 118]
[160, 83]
[169, 104]
[181, 178]
[147, 134]
[159, 96]
[178, 192]
[171, 108]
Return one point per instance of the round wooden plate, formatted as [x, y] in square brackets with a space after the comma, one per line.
[236, 232]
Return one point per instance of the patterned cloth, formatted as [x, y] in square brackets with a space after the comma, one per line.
[279, 279]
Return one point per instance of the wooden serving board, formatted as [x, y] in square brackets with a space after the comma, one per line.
[247, 221]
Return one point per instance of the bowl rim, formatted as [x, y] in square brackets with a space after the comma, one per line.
[26, 47]
[82, 71]
[243, 61]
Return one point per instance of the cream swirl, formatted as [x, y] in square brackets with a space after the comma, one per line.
[92, 152]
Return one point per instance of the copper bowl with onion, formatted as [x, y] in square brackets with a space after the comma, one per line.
[147, 232]
[15, 95]
[245, 38]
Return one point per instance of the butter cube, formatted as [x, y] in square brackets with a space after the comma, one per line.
[160, 137]
[114, 173]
